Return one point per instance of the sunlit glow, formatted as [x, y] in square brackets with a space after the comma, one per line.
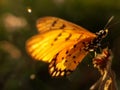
[32, 76]
[12, 22]
[29, 10]
[8, 47]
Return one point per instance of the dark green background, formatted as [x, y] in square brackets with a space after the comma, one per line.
[16, 66]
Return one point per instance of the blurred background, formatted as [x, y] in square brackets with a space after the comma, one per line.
[18, 71]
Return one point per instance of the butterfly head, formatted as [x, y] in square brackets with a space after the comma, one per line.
[96, 41]
[102, 33]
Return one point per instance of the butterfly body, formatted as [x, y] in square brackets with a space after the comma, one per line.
[62, 44]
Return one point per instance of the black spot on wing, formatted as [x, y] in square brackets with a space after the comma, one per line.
[75, 62]
[83, 43]
[66, 52]
[80, 36]
[52, 44]
[63, 26]
[53, 24]
[74, 57]
[66, 60]
[68, 37]
[55, 39]
[74, 46]
[59, 34]
[62, 58]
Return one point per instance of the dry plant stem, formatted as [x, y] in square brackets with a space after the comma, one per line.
[107, 80]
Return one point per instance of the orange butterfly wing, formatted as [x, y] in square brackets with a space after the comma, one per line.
[56, 38]
[54, 23]
[68, 59]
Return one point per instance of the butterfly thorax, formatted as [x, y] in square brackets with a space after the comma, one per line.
[95, 43]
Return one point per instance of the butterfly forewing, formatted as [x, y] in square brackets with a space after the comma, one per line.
[54, 23]
[54, 44]
[45, 46]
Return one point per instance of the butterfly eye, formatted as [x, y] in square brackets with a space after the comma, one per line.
[106, 32]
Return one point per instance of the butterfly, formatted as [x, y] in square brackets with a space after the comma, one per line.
[62, 44]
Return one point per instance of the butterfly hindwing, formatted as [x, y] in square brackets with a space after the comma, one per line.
[68, 59]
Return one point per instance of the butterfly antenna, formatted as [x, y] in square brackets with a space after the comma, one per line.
[108, 23]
